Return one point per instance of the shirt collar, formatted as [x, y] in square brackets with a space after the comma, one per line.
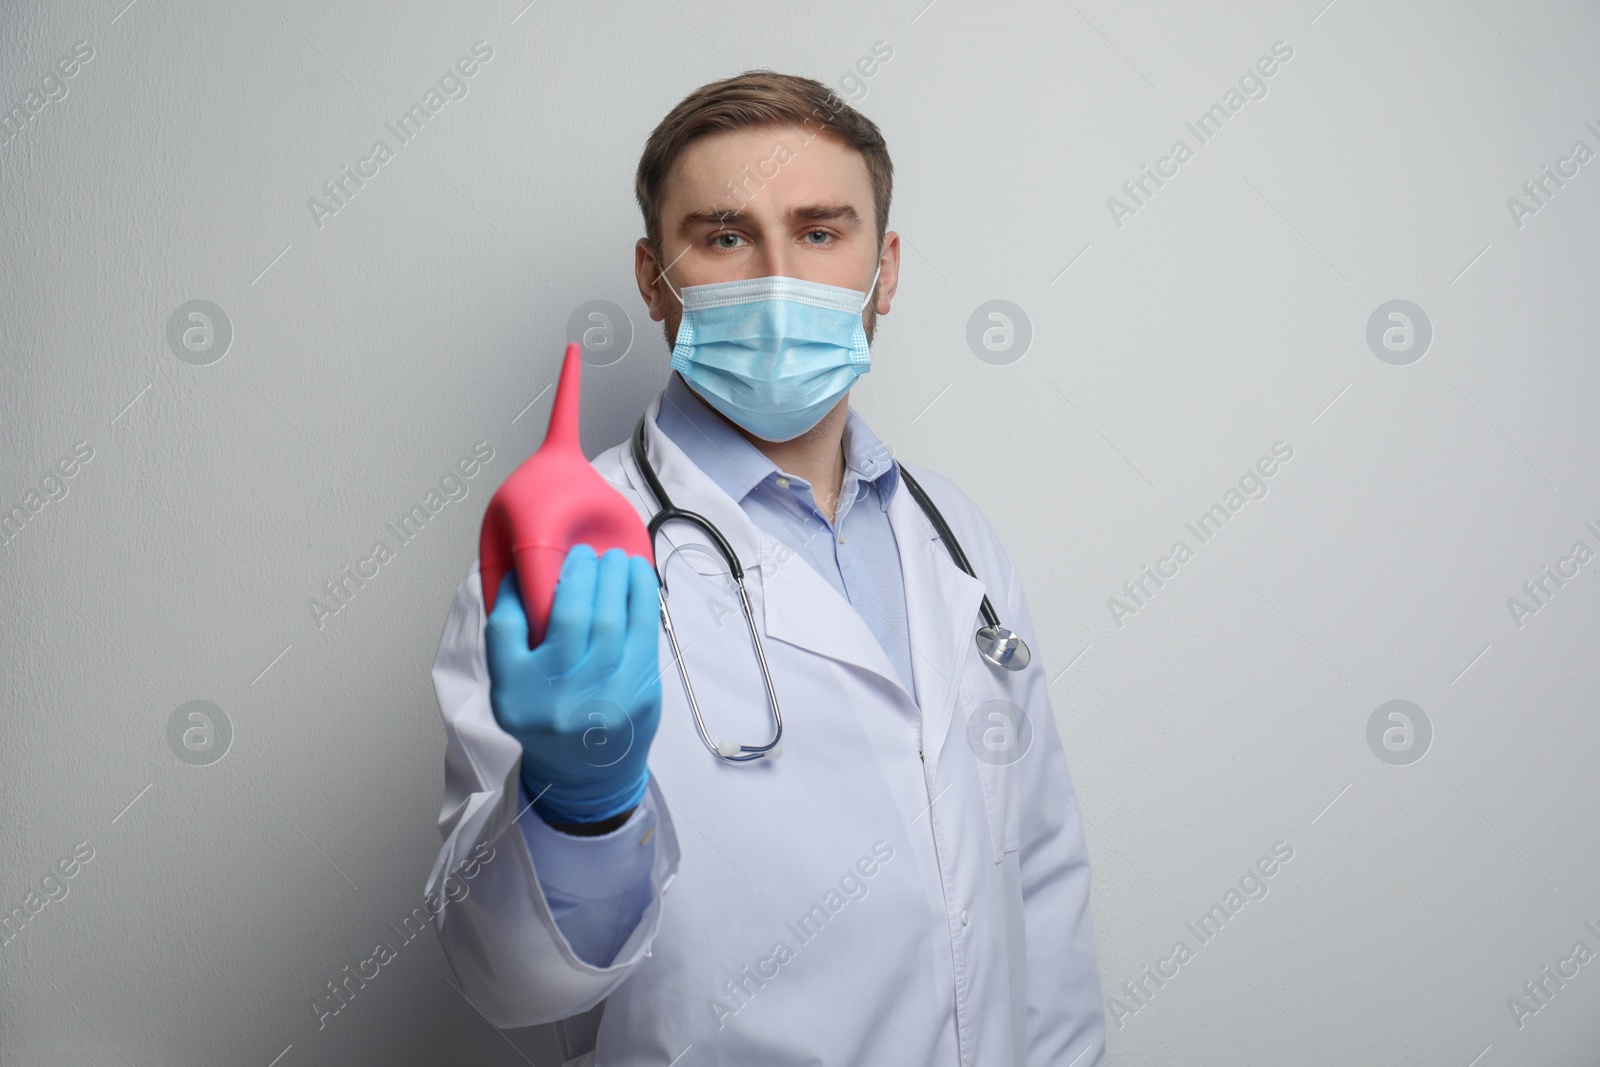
[737, 466]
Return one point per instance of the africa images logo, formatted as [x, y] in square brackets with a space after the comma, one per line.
[337, 993]
[342, 588]
[853, 885]
[453, 85]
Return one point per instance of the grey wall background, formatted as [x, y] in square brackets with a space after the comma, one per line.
[1149, 366]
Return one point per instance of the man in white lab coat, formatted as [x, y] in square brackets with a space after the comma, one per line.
[908, 883]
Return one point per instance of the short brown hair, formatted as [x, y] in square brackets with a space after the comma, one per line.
[758, 98]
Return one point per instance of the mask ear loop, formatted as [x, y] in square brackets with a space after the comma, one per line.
[670, 289]
[870, 289]
[685, 339]
[861, 350]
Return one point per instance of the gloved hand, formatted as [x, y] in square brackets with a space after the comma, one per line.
[585, 703]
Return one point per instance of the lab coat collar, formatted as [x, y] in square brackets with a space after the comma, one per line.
[796, 605]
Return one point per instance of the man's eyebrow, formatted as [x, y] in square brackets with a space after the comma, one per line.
[712, 216]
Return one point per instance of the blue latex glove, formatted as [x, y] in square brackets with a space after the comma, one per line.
[585, 703]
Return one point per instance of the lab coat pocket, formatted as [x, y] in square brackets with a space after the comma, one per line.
[998, 736]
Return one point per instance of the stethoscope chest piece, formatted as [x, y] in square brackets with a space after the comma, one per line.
[1002, 647]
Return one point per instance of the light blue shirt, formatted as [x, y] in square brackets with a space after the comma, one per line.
[856, 552]
[598, 887]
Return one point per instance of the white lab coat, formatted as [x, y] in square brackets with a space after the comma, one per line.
[972, 944]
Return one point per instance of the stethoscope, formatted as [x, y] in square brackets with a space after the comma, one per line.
[998, 645]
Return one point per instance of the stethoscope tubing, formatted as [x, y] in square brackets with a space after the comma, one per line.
[666, 512]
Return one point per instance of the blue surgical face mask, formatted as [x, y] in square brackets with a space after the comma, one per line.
[772, 354]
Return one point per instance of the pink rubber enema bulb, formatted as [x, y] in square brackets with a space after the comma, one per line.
[555, 500]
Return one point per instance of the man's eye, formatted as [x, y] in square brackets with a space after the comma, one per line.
[813, 233]
[726, 236]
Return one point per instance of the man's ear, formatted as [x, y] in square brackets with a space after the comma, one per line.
[647, 272]
[889, 280]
